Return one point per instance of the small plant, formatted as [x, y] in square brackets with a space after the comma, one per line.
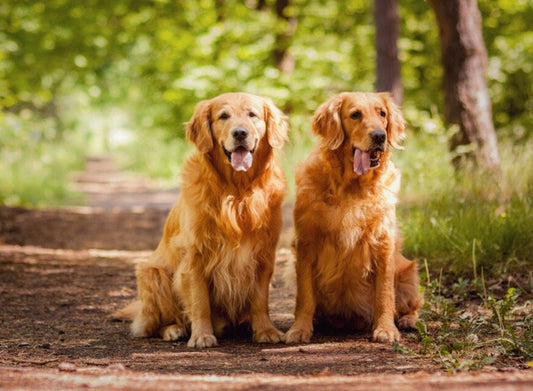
[464, 338]
[515, 335]
[502, 308]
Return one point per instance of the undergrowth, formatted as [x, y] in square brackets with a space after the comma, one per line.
[452, 234]
[464, 326]
[473, 237]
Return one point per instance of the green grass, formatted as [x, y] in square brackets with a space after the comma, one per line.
[456, 234]
[34, 169]
[455, 221]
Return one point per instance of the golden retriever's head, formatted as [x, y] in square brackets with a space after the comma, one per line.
[237, 123]
[364, 124]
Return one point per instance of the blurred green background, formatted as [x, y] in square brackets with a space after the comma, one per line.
[122, 76]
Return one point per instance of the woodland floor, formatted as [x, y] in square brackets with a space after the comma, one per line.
[63, 271]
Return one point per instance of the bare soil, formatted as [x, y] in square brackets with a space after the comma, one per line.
[63, 271]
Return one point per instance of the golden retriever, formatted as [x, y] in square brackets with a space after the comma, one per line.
[349, 268]
[212, 268]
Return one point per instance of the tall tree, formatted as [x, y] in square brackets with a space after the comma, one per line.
[282, 56]
[466, 97]
[386, 20]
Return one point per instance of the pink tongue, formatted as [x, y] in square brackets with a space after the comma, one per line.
[241, 160]
[361, 162]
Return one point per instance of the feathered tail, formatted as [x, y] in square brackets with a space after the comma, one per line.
[129, 312]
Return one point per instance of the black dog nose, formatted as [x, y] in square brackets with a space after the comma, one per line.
[378, 136]
[239, 134]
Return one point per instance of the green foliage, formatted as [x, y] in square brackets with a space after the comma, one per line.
[158, 58]
[33, 168]
[509, 42]
[420, 56]
[467, 336]
[449, 231]
[516, 335]
[50, 47]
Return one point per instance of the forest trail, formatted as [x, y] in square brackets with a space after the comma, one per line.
[63, 271]
[107, 187]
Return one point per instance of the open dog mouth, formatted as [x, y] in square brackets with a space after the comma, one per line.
[240, 158]
[375, 156]
[364, 160]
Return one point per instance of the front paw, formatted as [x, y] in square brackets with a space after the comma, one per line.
[172, 332]
[408, 322]
[269, 335]
[202, 341]
[298, 334]
[386, 334]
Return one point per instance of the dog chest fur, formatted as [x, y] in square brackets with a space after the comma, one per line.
[231, 279]
[353, 229]
[229, 269]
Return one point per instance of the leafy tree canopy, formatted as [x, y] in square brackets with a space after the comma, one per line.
[157, 58]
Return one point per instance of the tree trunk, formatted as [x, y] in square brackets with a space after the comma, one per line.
[261, 5]
[387, 33]
[282, 57]
[220, 9]
[466, 97]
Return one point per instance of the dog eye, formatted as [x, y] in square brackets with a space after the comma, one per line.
[223, 116]
[382, 113]
[251, 114]
[356, 115]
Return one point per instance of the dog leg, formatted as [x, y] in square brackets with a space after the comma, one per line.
[262, 327]
[158, 305]
[384, 329]
[302, 329]
[408, 298]
[220, 323]
[199, 310]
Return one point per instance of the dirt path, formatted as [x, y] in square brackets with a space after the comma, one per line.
[63, 271]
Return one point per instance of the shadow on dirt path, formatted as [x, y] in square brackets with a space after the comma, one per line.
[63, 271]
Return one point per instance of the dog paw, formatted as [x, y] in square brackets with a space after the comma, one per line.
[298, 335]
[173, 332]
[141, 328]
[202, 341]
[407, 322]
[386, 334]
[269, 335]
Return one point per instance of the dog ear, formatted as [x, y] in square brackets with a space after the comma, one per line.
[198, 129]
[327, 122]
[395, 122]
[276, 125]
